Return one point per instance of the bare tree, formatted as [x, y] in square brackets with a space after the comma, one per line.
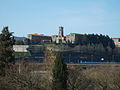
[78, 80]
[26, 79]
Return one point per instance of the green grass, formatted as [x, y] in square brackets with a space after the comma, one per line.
[21, 54]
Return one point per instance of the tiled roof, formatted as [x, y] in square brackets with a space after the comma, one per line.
[54, 35]
[115, 38]
[77, 33]
[41, 35]
[58, 35]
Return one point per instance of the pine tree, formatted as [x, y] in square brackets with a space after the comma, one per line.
[6, 49]
[59, 72]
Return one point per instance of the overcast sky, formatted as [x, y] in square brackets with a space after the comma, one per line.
[76, 16]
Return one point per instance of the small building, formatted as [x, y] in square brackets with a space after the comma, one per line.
[116, 41]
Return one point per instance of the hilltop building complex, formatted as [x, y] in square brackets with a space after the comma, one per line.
[72, 38]
[73, 47]
[60, 38]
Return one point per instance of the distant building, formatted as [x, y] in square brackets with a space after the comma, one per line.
[116, 41]
[39, 38]
[60, 38]
[73, 38]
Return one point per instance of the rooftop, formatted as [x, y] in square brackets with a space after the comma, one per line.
[115, 38]
[77, 33]
[41, 35]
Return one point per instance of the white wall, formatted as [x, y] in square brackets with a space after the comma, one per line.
[20, 48]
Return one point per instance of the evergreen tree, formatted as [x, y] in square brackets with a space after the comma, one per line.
[19, 42]
[27, 41]
[59, 72]
[6, 49]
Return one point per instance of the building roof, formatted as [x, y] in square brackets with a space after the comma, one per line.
[54, 35]
[115, 38]
[41, 35]
[77, 33]
[58, 35]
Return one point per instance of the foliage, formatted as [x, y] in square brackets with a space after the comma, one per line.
[6, 48]
[21, 54]
[30, 76]
[78, 80]
[27, 41]
[86, 39]
[19, 42]
[59, 71]
[22, 42]
[22, 76]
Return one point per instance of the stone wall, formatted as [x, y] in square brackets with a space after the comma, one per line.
[20, 48]
[33, 49]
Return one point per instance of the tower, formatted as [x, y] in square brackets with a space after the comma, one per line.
[61, 31]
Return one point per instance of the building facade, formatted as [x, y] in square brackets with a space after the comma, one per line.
[73, 38]
[38, 38]
[116, 41]
[60, 38]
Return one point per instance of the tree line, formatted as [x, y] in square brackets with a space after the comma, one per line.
[94, 39]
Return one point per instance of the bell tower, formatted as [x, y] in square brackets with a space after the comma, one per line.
[61, 31]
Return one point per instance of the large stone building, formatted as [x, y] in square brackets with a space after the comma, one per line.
[60, 38]
[38, 38]
[73, 38]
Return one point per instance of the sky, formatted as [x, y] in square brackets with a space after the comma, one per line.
[76, 16]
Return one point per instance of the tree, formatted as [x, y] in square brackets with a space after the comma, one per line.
[19, 42]
[27, 41]
[6, 49]
[59, 72]
[78, 80]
